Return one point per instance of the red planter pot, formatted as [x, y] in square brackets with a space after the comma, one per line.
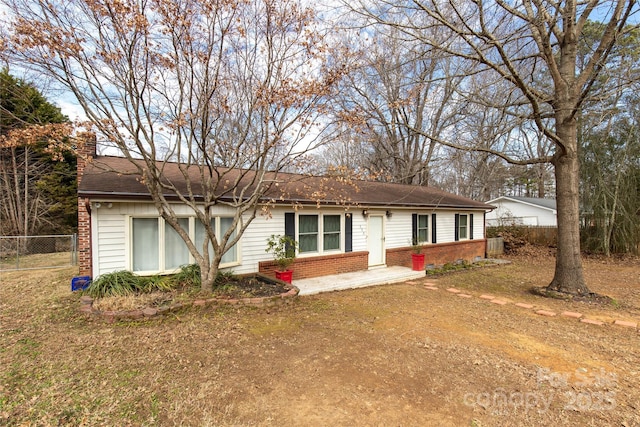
[417, 261]
[285, 276]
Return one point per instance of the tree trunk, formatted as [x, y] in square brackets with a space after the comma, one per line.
[206, 284]
[18, 194]
[568, 276]
[26, 191]
[209, 273]
[541, 181]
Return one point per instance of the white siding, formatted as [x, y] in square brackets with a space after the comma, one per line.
[359, 229]
[398, 229]
[110, 230]
[521, 213]
[254, 241]
[478, 225]
[445, 226]
[108, 239]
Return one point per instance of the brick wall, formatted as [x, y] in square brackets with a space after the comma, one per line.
[437, 254]
[84, 238]
[86, 152]
[304, 268]
[440, 253]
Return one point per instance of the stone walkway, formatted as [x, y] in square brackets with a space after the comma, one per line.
[494, 300]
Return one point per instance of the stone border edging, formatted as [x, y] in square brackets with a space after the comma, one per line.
[541, 312]
[86, 306]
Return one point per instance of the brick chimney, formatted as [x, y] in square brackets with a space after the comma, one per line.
[87, 149]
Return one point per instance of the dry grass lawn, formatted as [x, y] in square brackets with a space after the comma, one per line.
[387, 355]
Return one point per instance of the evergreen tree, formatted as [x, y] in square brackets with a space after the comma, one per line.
[38, 186]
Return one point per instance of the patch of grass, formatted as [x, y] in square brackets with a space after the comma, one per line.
[270, 326]
[28, 347]
[318, 305]
[500, 280]
[155, 407]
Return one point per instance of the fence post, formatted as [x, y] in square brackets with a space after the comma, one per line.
[74, 249]
[18, 253]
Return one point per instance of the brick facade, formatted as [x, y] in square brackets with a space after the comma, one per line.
[86, 152]
[437, 254]
[440, 253]
[304, 268]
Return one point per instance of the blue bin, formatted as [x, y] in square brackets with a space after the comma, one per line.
[80, 283]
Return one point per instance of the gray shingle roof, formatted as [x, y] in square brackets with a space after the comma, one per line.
[544, 203]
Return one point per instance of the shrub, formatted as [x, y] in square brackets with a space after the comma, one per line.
[118, 283]
[283, 249]
[189, 275]
[157, 283]
[224, 277]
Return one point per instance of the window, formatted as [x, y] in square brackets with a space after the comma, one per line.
[157, 248]
[319, 233]
[462, 227]
[331, 232]
[423, 228]
[145, 239]
[176, 252]
[220, 226]
[231, 255]
[308, 234]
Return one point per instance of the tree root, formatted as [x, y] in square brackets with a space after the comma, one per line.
[591, 297]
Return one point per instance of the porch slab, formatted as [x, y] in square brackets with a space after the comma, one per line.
[356, 279]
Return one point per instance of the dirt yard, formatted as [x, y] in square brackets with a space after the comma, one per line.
[389, 355]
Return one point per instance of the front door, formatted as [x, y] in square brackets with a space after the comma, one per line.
[375, 240]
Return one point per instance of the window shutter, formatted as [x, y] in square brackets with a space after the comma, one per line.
[348, 232]
[290, 225]
[457, 228]
[471, 226]
[414, 229]
[433, 228]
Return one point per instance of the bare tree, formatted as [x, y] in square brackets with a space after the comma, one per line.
[397, 93]
[230, 89]
[344, 149]
[533, 46]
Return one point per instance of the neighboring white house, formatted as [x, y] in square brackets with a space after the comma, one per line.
[512, 210]
[120, 229]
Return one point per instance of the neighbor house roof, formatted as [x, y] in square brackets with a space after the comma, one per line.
[549, 204]
[116, 178]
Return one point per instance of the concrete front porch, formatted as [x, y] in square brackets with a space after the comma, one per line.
[357, 279]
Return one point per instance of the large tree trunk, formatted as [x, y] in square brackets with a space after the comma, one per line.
[568, 276]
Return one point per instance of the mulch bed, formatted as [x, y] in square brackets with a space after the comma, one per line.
[249, 287]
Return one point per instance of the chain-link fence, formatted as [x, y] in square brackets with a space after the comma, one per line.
[35, 252]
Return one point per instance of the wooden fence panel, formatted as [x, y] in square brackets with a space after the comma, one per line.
[547, 236]
[495, 246]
